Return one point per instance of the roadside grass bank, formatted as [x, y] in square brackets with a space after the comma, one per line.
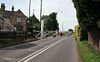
[87, 53]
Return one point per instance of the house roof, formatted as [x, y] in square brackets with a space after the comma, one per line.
[19, 13]
[9, 14]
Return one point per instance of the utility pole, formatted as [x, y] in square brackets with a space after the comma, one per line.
[42, 22]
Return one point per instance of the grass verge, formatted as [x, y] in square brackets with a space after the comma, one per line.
[87, 53]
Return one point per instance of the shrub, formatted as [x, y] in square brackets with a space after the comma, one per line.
[80, 34]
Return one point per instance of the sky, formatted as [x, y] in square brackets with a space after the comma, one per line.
[66, 12]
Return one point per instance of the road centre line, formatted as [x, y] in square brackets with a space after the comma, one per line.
[33, 55]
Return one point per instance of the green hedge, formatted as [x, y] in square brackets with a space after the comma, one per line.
[80, 34]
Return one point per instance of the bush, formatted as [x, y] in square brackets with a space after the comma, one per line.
[80, 34]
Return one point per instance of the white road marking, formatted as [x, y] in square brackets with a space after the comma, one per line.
[33, 55]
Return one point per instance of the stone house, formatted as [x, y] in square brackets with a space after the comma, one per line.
[10, 20]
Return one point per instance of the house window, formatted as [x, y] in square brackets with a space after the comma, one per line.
[19, 24]
[18, 19]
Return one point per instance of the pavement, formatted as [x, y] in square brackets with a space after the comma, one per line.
[58, 49]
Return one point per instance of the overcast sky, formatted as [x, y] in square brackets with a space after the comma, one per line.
[64, 8]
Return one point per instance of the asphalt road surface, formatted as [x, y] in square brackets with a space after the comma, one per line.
[59, 49]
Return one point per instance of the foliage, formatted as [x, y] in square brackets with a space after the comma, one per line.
[87, 54]
[84, 35]
[70, 30]
[37, 26]
[34, 23]
[77, 33]
[80, 34]
[51, 22]
[87, 13]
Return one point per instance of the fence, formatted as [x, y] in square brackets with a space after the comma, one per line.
[11, 34]
[8, 38]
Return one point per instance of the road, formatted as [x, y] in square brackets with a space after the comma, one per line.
[59, 49]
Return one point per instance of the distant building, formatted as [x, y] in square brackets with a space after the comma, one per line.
[12, 19]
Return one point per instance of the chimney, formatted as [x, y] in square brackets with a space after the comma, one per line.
[2, 6]
[12, 8]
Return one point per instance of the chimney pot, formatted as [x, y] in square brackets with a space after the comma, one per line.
[2, 6]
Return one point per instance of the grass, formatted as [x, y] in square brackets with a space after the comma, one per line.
[87, 53]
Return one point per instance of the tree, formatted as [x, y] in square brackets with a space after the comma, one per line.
[70, 30]
[55, 23]
[34, 23]
[51, 22]
[88, 14]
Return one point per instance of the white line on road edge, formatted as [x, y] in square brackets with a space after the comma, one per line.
[33, 55]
